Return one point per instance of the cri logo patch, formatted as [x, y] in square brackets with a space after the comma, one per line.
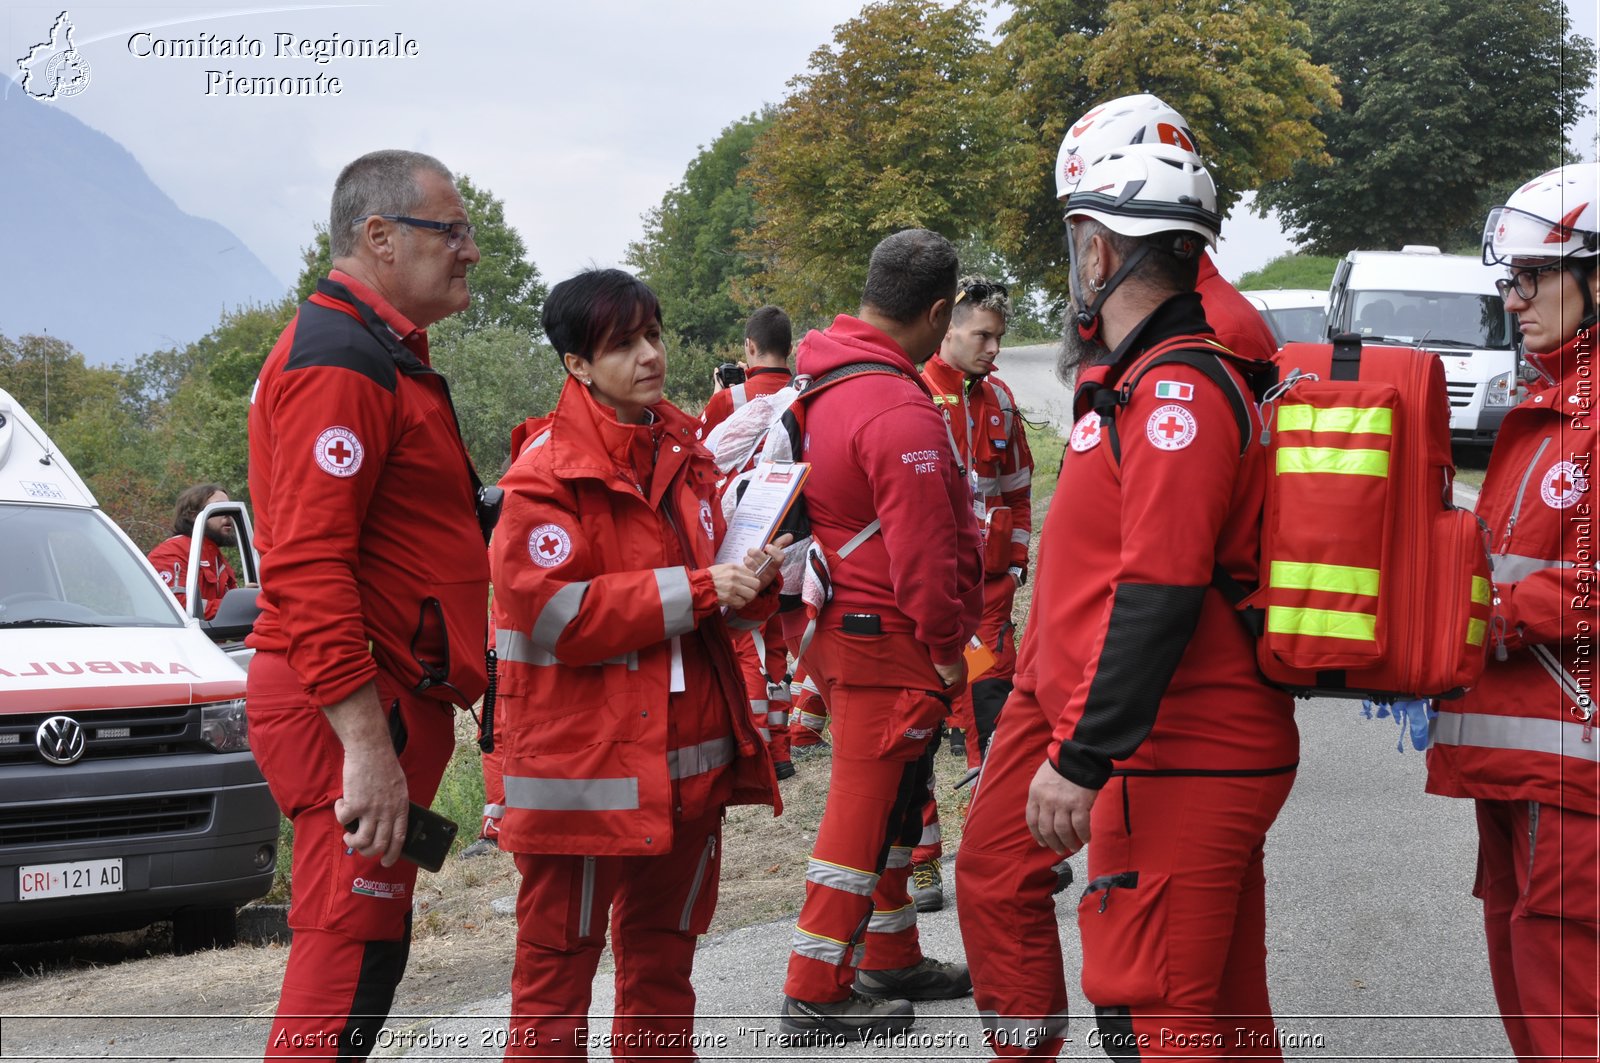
[1563, 485]
[549, 545]
[338, 452]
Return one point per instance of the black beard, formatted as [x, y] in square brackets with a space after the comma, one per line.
[220, 538]
[1075, 351]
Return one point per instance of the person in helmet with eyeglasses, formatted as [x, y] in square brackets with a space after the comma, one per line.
[1522, 743]
[1143, 118]
[1138, 717]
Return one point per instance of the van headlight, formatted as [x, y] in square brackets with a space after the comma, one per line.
[1502, 390]
[223, 726]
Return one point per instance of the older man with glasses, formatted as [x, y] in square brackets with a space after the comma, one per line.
[374, 587]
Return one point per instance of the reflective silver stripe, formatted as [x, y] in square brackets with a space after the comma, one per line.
[739, 623]
[758, 708]
[778, 692]
[538, 441]
[899, 856]
[558, 612]
[737, 394]
[858, 538]
[766, 735]
[1015, 481]
[515, 646]
[1557, 737]
[894, 921]
[572, 795]
[847, 879]
[586, 898]
[494, 811]
[813, 721]
[1565, 679]
[1021, 535]
[985, 486]
[930, 834]
[777, 717]
[818, 948]
[1509, 568]
[1015, 1032]
[699, 881]
[677, 600]
[699, 759]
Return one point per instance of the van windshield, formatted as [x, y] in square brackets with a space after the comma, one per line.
[1449, 319]
[66, 566]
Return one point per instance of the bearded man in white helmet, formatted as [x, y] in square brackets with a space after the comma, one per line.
[1138, 718]
[1522, 743]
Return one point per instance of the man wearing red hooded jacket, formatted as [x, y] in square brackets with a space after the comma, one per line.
[1522, 743]
[888, 650]
[373, 587]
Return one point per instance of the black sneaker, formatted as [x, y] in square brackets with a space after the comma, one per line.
[856, 1017]
[1063, 872]
[929, 980]
[784, 768]
[958, 742]
[927, 886]
[481, 847]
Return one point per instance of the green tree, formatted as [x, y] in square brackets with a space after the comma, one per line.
[690, 254]
[893, 127]
[1447, 104]
[498, 376]
[1241, 73]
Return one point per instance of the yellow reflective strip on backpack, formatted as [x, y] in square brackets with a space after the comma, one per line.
[1480, 591]
[1373, 420]
[1475, 631]
[1336, 579]
[1352, 462]
[1323, 623]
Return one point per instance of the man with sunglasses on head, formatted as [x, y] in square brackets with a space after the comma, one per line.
[993, 447]
[1521, 743]
[374, 582]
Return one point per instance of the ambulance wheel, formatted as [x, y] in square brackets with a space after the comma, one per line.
[196, 929]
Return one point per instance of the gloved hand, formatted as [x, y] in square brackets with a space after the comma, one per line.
[1413, 717]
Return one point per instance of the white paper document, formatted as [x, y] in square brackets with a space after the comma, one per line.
[768, 496]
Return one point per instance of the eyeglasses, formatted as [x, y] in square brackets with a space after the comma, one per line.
[978, 291]
[456, 233]
[1524, 280]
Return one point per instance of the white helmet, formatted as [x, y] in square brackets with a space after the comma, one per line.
[1555, 215]
[1145, 189]
[1140, 119]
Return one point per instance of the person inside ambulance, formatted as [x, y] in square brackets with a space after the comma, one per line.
[621, 706]
[1521, 743]
[171, 558]
[1113, 730]
[1146, 119]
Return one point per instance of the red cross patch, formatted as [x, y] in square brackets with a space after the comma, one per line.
[1086, 433]
[549, 545]
[1171, 427]
[706, 523]
[338, 452]
[1563, 485]
[1072, 168]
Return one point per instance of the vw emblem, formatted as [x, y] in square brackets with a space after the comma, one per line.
[60, 740]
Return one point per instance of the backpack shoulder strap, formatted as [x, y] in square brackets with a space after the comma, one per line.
[1204, 354]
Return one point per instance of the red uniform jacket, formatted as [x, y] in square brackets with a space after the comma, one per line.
[1238, 325]
[171, 562]
[763, 380]
[993, 444]
[364, 503]
[1139, 659]
[1525, 732]
[879, 449]
[623, 707]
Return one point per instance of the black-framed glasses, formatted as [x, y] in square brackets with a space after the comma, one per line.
[456, 233]
[1524, 280]
[978, 291]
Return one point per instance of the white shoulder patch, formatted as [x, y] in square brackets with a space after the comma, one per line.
[549, 545]
[338, 452]
[1171, 427]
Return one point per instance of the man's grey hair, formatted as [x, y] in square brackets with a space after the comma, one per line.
[1161, 271]
[380, 182]
[909, 272]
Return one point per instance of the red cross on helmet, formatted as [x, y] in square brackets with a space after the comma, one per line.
[1145, 189]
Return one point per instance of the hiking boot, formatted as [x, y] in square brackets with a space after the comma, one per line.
[481, 847]
[958, 742]
[927, 886]
[784, 768]
[929, 980]
[856, 1017]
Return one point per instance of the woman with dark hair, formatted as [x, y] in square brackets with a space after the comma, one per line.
[626, 728]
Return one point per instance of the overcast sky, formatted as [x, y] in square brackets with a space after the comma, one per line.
[579, 116]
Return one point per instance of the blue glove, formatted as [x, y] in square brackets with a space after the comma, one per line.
[1413, 717]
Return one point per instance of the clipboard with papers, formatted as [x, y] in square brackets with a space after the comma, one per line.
[769, 494]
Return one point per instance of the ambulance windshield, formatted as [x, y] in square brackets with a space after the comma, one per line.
[65, 566]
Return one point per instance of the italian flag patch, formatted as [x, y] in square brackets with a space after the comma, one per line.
[1174, 389]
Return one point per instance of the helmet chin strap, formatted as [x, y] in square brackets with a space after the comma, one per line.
[1088, 317]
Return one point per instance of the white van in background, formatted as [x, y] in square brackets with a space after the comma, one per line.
[128, 793]
[1295, 315]
[1442, 303]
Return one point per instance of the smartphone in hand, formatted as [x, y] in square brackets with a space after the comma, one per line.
[428, 837]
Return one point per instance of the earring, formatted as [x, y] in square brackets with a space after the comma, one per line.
[1097, 286]
[586, 382]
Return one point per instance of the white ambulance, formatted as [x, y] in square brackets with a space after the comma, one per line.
[128, 794]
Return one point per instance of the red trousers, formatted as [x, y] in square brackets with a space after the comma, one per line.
[857, 910]
[810, 714]
[351, 915]
[1173, 918]
[658, 906]
[769, 702]
[1539, 880]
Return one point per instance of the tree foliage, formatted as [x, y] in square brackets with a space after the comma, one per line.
[1447, 106]
[498, 377]
[895, 126]
[1240, 72]
[690, 254]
